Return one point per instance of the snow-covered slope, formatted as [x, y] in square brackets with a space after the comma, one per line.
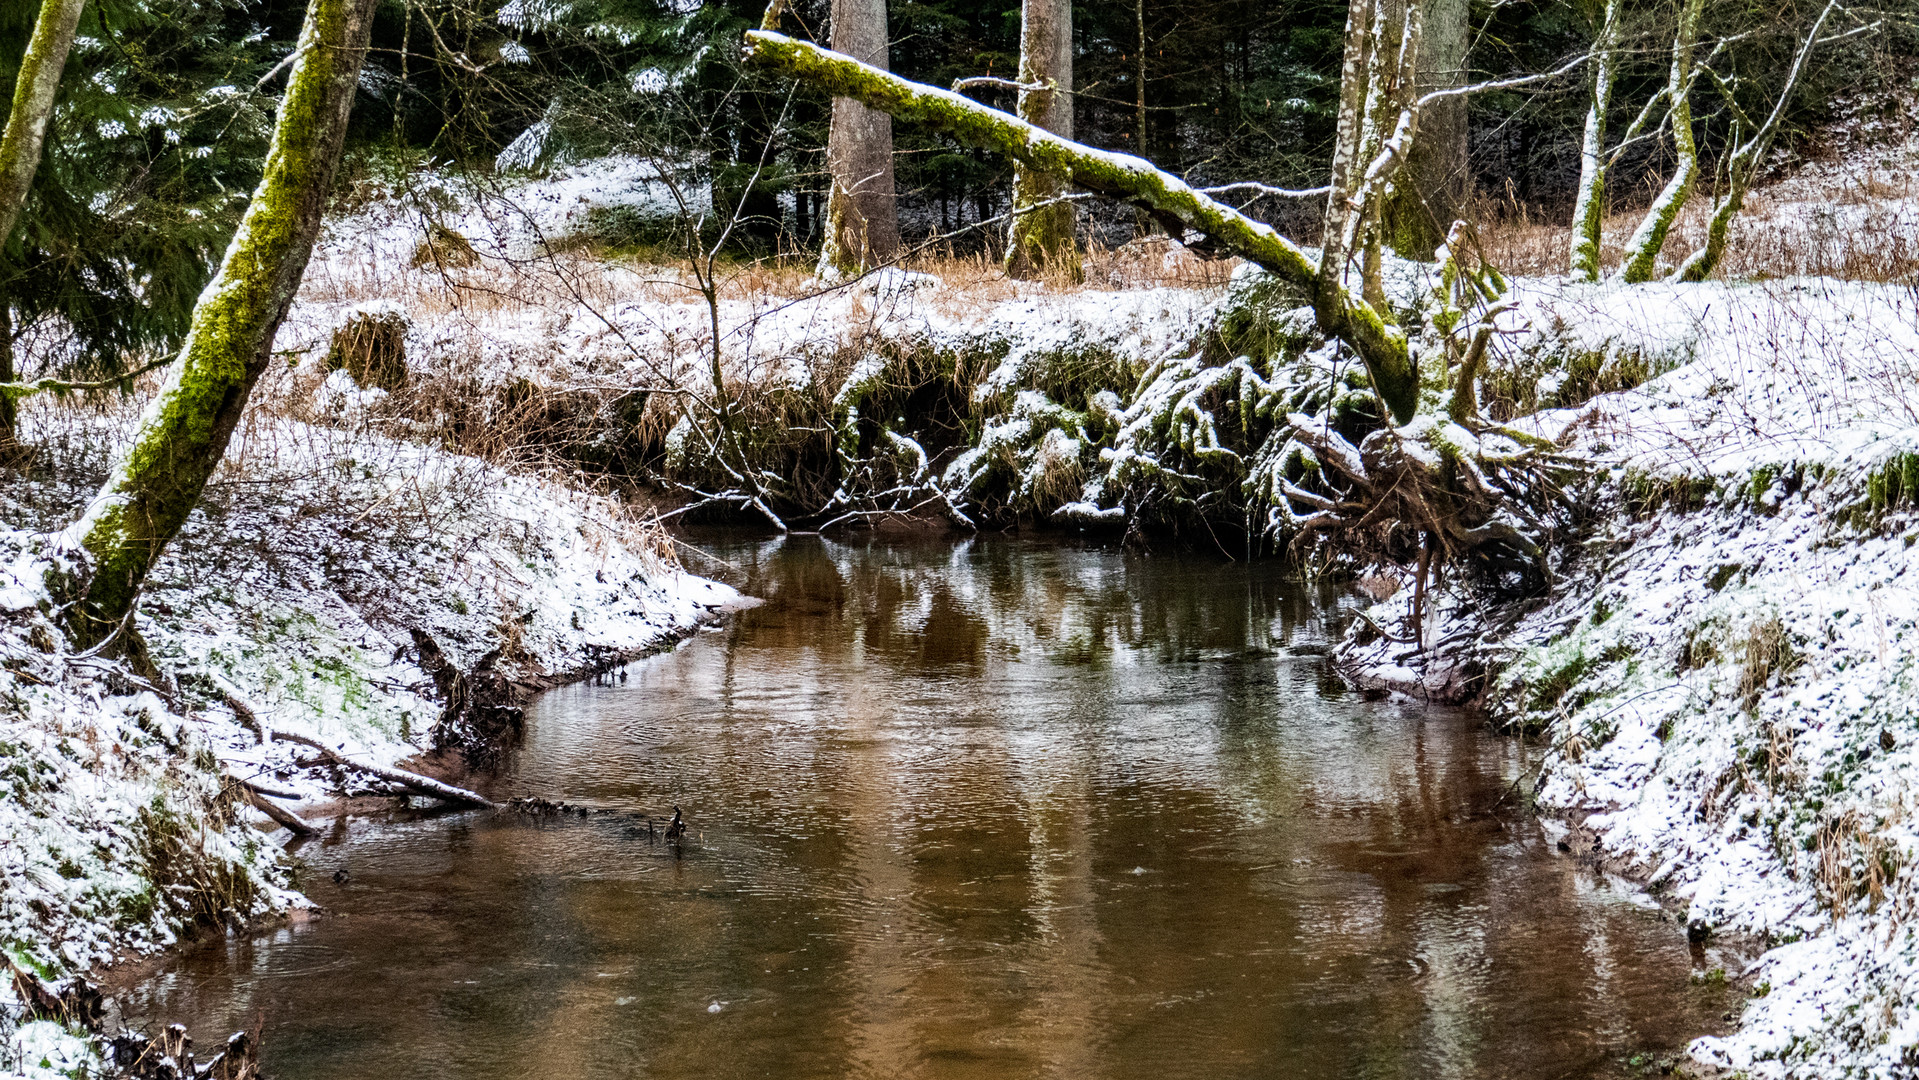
[1726, 684]
[293, 589]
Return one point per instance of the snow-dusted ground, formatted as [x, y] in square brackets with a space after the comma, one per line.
[1726, 681]
[293, 588]
[529, 308]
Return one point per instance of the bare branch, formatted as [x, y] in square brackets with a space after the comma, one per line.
[17, 390]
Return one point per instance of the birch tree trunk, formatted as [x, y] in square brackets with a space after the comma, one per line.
[1437, 174]
[1589, 207]
[1382, 62]
[1377, 119]
[34, 91]
[862, 219]
[1746, 159]
[1642, 251]
[184, 433]
[1041, 235]
[1171, 201]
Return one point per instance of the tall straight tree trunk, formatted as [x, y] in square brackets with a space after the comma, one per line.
[1142, 221]
[1437, 176]
[1041, 236]
[184, 433]
[1642, 251]
[862, 217]
[34, 91]
[1589, 208]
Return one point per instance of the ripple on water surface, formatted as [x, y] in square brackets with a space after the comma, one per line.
[994, 810]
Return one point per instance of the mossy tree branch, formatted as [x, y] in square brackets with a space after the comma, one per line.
[184, 433]
[1170, 200]
[14, 391]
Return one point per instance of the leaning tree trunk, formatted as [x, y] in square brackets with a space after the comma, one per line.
[1744, 163]
[1589, 207]
[1437, 177]
[184, 433]
[1041, 236]
[862, 219]
[34, 90]
[1642, 251]
[1171, 201]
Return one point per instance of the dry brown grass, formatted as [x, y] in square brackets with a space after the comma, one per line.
[1854, 861]
[1852, 227]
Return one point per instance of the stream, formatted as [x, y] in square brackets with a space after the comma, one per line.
[1000, 809]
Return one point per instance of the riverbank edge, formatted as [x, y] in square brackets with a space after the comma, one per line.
[114, 976]
[128, 832]
[1679, 754]
[117, 976]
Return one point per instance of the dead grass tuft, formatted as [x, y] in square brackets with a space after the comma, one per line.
[1768, 653]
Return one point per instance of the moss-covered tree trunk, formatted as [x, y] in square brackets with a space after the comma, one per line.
[1641, 259]
[1743, 165]
[1041, 235]
[1437, 175]
[1589, 206]
[862, 217]
[184, 433]
[1170, 200]
[34, 91]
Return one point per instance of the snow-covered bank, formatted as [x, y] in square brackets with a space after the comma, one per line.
[293, 589]
[1725, 680]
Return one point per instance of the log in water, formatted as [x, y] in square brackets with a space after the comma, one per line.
[995, 810]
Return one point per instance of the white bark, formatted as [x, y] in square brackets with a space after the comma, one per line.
[1642, 251]
[1590, 207]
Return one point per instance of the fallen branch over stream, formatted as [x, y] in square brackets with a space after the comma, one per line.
[1176, 205]
[414, 782]
[281, 816]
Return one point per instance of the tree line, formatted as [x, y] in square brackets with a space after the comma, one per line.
[1393, 98]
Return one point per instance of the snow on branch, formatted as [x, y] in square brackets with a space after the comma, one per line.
[1133, 180]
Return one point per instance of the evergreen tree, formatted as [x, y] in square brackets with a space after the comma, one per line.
[156, 138]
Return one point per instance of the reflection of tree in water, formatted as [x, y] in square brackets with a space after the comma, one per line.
[1004, 809]
[952, 606]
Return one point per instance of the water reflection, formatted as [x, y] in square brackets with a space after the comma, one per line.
[993, 810]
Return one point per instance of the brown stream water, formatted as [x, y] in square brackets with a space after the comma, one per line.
[992, 810]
